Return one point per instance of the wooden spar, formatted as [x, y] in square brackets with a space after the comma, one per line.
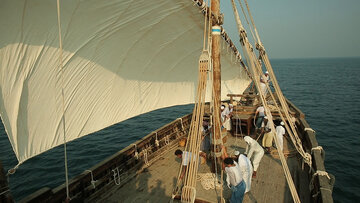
[5, 195]
[215, 51]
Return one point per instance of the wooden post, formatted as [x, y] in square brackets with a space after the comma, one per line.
[215, 51]
[5, 195]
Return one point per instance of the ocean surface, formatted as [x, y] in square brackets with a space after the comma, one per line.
[326, 90]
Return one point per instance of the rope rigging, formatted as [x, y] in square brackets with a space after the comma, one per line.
[290, 125]
[255, 66]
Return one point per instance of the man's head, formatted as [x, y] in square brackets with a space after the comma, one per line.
[237, 153]
[265, 117]
[178, 153]
[282, 123]
[266, 73]
[222, 107]
[231, 106]
[228, 161]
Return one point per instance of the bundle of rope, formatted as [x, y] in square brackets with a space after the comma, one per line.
[192, 147]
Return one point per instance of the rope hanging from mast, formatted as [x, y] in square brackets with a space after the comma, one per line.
[255, 66]
[290, 125]
[192, 148]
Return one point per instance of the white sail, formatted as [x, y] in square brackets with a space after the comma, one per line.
[121, 59]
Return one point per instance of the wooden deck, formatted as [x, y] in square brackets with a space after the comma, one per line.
[156, 183]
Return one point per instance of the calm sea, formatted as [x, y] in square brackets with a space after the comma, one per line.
[326, 90]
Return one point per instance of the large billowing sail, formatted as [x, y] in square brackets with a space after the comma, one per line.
[121, 59]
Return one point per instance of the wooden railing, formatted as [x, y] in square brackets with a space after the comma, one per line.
[124, 161]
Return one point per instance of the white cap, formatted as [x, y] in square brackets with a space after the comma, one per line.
[266, 72]
[222, 107]
[231, 105]
[265, 117]
[236, 153]
[282, 123]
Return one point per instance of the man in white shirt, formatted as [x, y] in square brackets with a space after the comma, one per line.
[225, 117]
[265, 78]
[260, 113]
[280, 132]
[234, 180]
[186, 158]
[254, 152]
[245, 168]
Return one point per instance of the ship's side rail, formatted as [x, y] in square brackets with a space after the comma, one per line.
[118, 168]
[322, 185]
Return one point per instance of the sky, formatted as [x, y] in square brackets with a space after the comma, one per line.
[302, 28]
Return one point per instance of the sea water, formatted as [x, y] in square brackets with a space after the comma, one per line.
[326, 90]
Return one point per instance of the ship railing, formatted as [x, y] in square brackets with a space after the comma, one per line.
[118, 168]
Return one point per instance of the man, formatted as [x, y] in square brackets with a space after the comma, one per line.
[280, 132]
[260, 113]
[265, 78]
[254, 152]
[225, 117]
[234, 180]
[245, 168]
[268, 136]
[186, 158]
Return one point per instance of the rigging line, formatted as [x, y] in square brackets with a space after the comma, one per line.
[62, 97]
[253, 24]
[247, 21]
[255, 66]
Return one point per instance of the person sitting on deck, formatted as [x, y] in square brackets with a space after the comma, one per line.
[254, 152]
[225, 117]
[280, 132]
[186, 157]
[260, 113]
[234, 180]
[246, 169]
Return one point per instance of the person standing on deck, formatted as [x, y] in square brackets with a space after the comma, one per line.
[225, 117]
[280, 132]
[254, 152]
[234, 180]
[263, 80]
[260, 113]
[246, 169]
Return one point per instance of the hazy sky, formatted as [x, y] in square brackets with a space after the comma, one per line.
[302, 28]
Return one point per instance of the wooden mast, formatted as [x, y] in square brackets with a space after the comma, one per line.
[215, 52]
[5, 195]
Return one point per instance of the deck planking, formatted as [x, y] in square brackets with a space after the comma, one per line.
[156, 182]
